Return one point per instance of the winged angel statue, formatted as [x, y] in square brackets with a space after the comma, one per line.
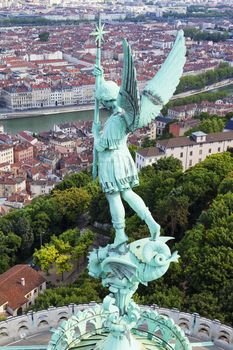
[130, 111]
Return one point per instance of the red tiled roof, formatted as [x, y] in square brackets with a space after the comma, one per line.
[26, 136]
[150, 152]
[12, 290]
[186, 141]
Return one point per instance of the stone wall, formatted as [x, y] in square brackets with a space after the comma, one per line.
[32, 323]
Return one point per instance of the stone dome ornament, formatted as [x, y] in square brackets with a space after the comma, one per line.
[119, 323]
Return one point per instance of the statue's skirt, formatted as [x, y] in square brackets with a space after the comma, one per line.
[117, 171]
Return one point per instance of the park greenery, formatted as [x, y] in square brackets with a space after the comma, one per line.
[44, 36]
[36, 21]
[22, 231]
[209, 124]
[198, 11]
[64, 251]
[199, 35]
[200, 81]
[198, 98]
[195, 207]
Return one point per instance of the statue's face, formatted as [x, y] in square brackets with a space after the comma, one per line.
[107, 103]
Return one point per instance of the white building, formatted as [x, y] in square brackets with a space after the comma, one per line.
[6, 154]
[42, 95]
[41, 187]
[189, 150]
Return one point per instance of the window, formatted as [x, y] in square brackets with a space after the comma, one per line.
[41, 287]
[209, 150]
[191, 153]
[181, 155]
[199, 160]
[190, 162]
[200, 151]
[219, 149]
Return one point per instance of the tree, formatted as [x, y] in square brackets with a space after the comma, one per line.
[135, 228]
[44, 36]
[199, 184]
[63, 263]
[84, 290]
[64, 250]
[40, 227]
[70, 236]
[226, 185]
[173, 214]
[221, 164]
[72, 203]
[195, 82]
[147, 142]
[22, 227]
[9, 245]
[99, 208]
[169, 298]
[168, 164]
[45, 256]
[75, 180]
[207, 305]
[208, 125]
[133, 149]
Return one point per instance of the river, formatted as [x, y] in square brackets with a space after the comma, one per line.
[45, 123]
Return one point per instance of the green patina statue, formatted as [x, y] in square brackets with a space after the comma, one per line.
[122, 266]
[116, 169]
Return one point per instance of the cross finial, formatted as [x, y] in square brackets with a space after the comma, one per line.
[99, 33]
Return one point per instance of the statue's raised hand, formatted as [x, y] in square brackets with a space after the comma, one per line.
[98, 71]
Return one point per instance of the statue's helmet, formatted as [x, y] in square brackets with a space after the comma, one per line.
[107, 91]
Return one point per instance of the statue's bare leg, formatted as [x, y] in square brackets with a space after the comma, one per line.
[117, 211]
[138, 205]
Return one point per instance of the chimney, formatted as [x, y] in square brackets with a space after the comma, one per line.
[22, 281]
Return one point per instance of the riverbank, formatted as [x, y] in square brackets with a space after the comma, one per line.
[217, 86]
[38, 123]
[44, 111]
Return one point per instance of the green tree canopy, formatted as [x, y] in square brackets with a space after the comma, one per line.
[44, 36]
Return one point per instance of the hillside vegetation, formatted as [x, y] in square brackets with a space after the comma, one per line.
[195, 206]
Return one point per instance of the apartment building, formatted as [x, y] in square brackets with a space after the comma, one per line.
[189, 150]
[41, 187]
[6, 154]
[43, 95]
[23, 152]
[161, 123]
[11, 185]
[17, 98]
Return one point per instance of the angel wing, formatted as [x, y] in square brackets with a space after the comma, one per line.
[128, 97]
[157, 91]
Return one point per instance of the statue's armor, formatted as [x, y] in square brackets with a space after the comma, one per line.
[117, 170]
